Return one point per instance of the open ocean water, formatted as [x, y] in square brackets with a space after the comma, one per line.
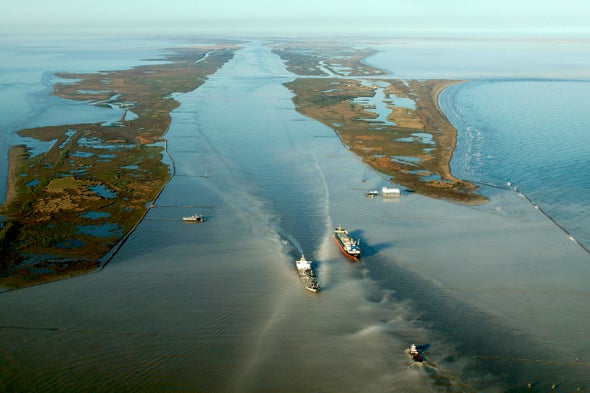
[496, 294]
[529, 135]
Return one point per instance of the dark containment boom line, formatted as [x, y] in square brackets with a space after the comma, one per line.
[75, 330]
[572, 238]
[183, 206]
[545, 361]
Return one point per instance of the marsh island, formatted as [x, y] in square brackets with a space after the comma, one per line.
[69, 206]
[395, 126]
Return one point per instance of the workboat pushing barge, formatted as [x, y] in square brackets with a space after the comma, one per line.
[347, 244]
[307, 275]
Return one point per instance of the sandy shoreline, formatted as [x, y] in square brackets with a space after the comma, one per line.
[451, 137]
[435, 98]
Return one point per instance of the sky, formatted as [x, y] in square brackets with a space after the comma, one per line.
[545, 17]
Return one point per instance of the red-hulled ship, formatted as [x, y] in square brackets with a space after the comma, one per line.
[347, 244]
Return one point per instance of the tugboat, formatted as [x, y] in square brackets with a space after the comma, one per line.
[371, 194]
[194, 218]
[307, 275]
[347, 244]
[415, 354]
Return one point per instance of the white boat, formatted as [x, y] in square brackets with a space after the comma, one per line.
[194, 218]
[307, 275]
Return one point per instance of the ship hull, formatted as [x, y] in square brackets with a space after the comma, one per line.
[346, 253]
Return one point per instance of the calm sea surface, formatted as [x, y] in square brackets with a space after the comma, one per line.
[531, 135]
[497, 294]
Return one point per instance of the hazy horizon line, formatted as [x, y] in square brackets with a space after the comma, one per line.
[441, 33]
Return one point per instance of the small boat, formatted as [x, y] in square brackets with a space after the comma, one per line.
[347, 244]
[194, 218]
[307, 275]
[415, 354]
[371, 193]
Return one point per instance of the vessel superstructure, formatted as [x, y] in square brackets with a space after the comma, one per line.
[347, 244]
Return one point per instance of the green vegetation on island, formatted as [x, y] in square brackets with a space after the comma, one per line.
[67, 207]
[413, 144]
